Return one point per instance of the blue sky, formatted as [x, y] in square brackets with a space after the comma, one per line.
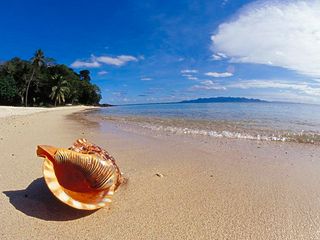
[160, 51]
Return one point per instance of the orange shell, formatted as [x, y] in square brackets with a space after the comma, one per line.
[72, 176]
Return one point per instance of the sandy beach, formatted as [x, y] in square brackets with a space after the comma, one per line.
[179, 187]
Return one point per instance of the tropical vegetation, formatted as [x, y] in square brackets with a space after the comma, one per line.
[41, 81]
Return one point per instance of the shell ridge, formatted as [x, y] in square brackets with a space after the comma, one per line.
[95, 171]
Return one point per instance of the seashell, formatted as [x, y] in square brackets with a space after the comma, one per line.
[84, 176]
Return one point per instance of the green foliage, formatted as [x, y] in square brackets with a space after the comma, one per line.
[60, 90]
[89, 93]
[85, 75]
[8, 89]
[42, 82]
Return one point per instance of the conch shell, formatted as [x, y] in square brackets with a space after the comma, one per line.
[83, 176]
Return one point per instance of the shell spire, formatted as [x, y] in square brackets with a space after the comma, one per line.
[84, 176]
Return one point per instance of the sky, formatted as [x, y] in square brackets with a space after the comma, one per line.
[164, 51]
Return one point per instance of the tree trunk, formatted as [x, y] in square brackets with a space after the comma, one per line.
[21, 98]
[27, 89]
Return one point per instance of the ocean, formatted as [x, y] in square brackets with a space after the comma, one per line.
[285, 122]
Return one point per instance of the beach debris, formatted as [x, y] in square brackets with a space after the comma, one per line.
[83, 176]
[159, 175]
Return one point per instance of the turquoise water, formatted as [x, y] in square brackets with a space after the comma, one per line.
[262, 121]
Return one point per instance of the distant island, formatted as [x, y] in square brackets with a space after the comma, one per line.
[202, 100]
[223, 99]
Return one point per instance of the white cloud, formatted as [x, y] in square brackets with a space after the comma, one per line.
[208, 85]
[304, 87]
[189, 71]
[102, 73]
[218, 56]
[187, 75]
[278, 33]
[219, 75]
[85, 64]
[145, 79]
[95, 62]
[117, 61]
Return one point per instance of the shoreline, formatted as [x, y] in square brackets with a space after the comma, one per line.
[179, 187]
[9, 111]
[205, 129]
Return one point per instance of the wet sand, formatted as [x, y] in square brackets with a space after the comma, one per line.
[179, 187]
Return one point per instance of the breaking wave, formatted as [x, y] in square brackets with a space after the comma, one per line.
[217, 129]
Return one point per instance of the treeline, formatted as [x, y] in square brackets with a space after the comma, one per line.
[42, 82]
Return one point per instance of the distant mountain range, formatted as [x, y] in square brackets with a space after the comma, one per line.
[223, 99]
[204, 100]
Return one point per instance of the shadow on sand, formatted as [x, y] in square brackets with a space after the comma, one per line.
[37, 201]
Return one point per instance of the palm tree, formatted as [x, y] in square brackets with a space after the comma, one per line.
[37, 61]
[59, 91]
